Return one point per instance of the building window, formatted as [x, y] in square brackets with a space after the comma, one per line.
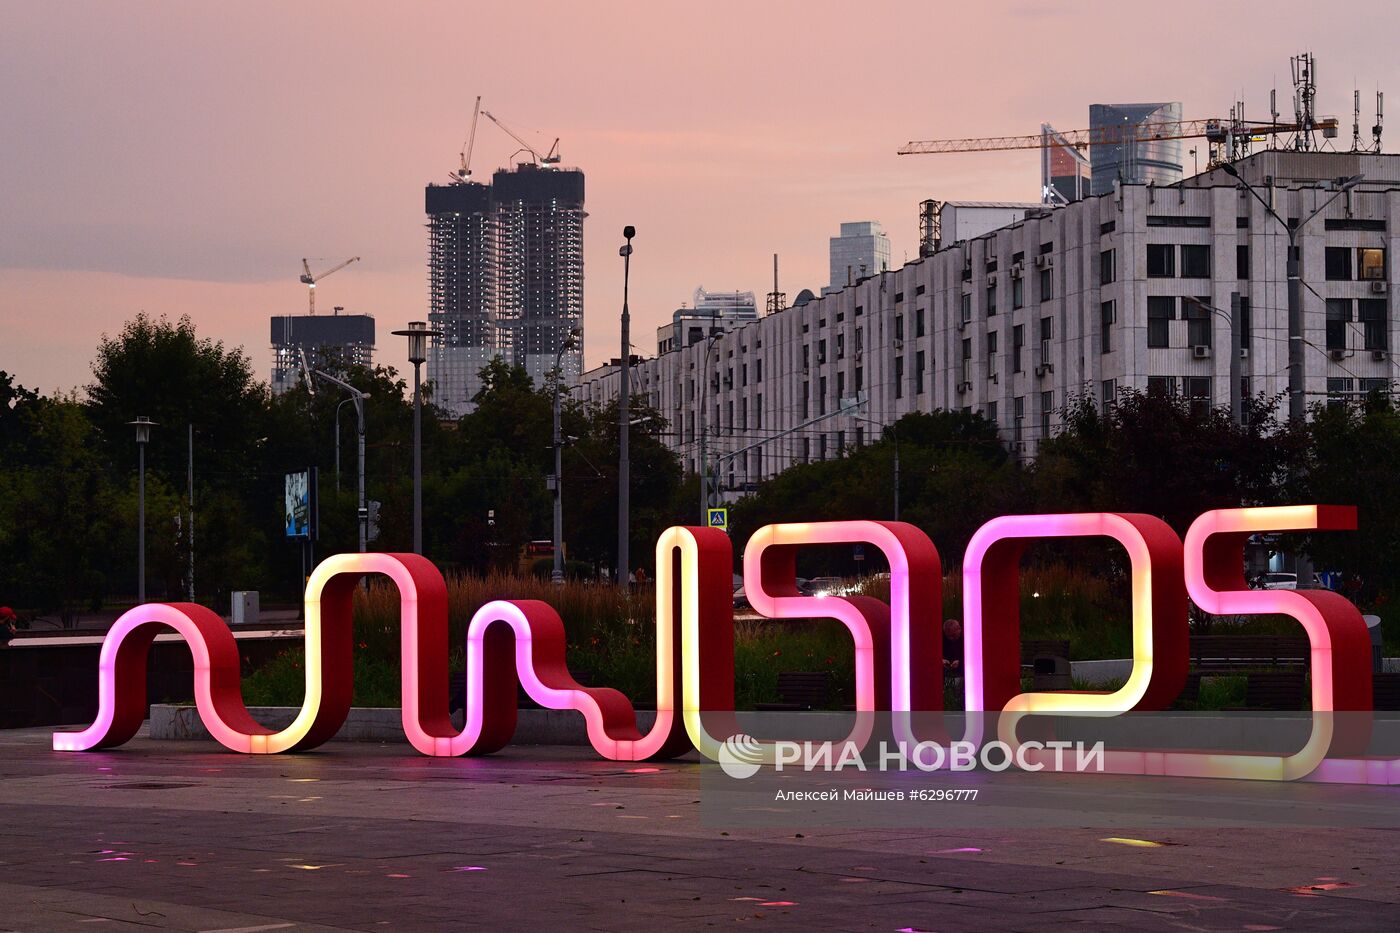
[1338, 316]
[1241, 262]
[1338, 262]
[1018, 416]
[1338, 391]
[1108, 393]
[992, 412]
[1371, 313]
[821, 396]
[1246, 324]
[1018, 293]
[758, 410]
[992, 355]
[1107, 268]
[1195, 262]
[821, 351]
[860, 339]
[899, 377]
[1197, 313]
[1047, 408]
[1108, 313]
[840, 346]
[918, 322]
[860, 378]
[806, 357]
[1160, 310]
[1046, 287]
[991, 299]
[1161, 261]
[919, 373]
[821, 446]
[806, 400]
[1197, 390]
[840, 388]
[919, 290]
[1370, 264]
[744, 374]
[967, 308]
[899, 327]
[1047, 331]
[758, 370]
[966, 375]
[1161, 385]
[1018, 340]
[806, 450]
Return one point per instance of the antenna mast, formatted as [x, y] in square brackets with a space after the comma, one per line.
[777, 301]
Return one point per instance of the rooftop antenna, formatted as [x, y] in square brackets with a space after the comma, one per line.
[1355, 120]
[1304, 67]
[1376, 130]
[777, 301]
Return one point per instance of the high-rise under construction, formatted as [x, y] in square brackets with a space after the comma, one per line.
[505, 274]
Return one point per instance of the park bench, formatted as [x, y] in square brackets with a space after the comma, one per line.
[1276, 690]
[1386, 691]
[1047, 661]
[800, 690]
[1218, 654]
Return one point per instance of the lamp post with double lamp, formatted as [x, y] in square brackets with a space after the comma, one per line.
[143, 426]
[417, 334]
[1296, 407]
[557, 575]
[624, 418]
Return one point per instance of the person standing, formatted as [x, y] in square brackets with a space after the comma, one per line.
[952, 648]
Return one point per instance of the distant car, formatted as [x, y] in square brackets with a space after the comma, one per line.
[828, 586]
[1278, 581]
[804, 586]
[741, 600]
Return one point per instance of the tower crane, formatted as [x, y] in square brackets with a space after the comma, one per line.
[463, 173]
[1216, 131]
[310, 280]
[550, 158]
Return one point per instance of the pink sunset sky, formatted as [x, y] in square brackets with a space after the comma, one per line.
[181, 158]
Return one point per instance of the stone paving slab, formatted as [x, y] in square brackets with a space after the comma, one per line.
[374, 837]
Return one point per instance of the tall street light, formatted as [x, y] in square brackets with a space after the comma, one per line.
[557, 575]
[417, 335]
[358, 397]
[1236, 377]
[702, 383]
[143, 426]
[1296, 408]
[624, 418]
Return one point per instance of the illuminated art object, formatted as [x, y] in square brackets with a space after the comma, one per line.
[898, 646]
[693, 574]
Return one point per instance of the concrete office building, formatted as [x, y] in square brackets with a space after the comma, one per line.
[331, 342]
[505, 271]
[861, 250]
[713, 312]
[1139, 162]
[1082, 300]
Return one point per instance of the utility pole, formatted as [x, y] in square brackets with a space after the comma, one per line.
[190, 532]
[624, 417]
[143, 426]
[557, 575]
[1236, 377]
[703, 380]
[417, 334]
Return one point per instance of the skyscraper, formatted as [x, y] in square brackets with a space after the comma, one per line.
[862, 249]
[539, 266]
[461, 290]
[1134, 162]
[331, 342]
[505, 270]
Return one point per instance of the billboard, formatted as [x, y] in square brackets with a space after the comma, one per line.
[297, 505]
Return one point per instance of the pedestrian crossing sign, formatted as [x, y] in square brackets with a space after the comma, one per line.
[719, 518]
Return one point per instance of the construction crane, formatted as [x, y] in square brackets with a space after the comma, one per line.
[310, 280]
[550, 158]
[465, 172]
[1215, 131]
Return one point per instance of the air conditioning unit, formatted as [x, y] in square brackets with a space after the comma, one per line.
[1200, 352]
[1244, 353]
[1378, 287]
[1379, 355]
[1044, 368]
[964, 387]
[898, 344]
[1337, 354]
[1016, 269]
[994, 377]
[962, 325]
[1042, 261]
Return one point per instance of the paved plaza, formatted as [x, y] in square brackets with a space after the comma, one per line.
[184, 835]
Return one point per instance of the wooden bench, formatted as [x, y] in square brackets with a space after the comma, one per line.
[1386, 691]
[1238, 653]
[1276, 690]
[800, 690]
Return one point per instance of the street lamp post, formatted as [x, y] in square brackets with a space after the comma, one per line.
[703, 381]
[1236, 376]
[143, 427]
[557, 575]
[624, 418]
[417, 334]
[1296, 407]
